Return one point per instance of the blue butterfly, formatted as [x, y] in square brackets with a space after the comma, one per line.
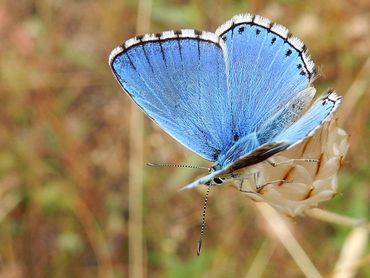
[236, 97]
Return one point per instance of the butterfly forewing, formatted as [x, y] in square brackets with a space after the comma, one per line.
[179, 80]
[267, 68]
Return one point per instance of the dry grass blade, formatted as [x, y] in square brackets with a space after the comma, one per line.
[136, 164]
[358, 88]
[281, 230]
[350, 257]
[8, 203]
[95, 236]
[332, 217]
[261, 260]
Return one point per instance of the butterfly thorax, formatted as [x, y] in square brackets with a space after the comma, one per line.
[240, 147]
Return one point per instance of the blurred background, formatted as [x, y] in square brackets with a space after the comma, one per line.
[75, 196]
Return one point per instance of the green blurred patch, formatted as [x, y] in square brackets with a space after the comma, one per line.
[183, 268]
[53, 197]
[70, 242]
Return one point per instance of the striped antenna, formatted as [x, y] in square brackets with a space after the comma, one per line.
[199, 244]
[175, 165]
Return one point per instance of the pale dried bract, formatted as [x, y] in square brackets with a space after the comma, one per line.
[306, 183]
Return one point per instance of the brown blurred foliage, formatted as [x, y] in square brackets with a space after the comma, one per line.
[64, 132]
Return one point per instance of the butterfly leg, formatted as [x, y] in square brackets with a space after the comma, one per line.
[255, 178]
[289, 161]
[258, 186]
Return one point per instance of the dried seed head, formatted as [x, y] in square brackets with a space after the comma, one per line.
[307, 183]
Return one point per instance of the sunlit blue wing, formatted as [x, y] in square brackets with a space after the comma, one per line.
[179, 80]
[236, 97]
[311, 120]
[268, 67]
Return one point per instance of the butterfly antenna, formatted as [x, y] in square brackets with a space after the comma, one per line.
[199, 244]
[176, 165]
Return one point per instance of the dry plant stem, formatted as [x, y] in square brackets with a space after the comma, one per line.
[8, 203]
[83, 213]
[358, 88]
[261, 260]
[136, 164]
[95, 236]
[332, 217]
[281, 230]
[350, 256]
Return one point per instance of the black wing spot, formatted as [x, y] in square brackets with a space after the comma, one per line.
[273, 40]
[236, 137]
[241, 30]
[270, 26]
[258, 31]
[177, 32]
[224, 38]
[197, 32]
[139, 38]
[289, 51]
[216, 154]
[299, 66]
[302, 72]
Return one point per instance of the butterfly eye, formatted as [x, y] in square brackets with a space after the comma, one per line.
[218, 180]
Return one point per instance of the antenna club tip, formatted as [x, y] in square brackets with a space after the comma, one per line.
[199, 246]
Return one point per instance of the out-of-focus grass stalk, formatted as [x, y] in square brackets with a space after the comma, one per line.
[353, 248]
[136, 164]
[332, 217]
[261, 260]
[95, 236]
[358, 88]
[87, 219]
[350, 256]
[283, 233]
[8, 203]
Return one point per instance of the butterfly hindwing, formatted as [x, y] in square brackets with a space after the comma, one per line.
[179, 80]
[285, 116]
[319, 112]
[305, 126]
